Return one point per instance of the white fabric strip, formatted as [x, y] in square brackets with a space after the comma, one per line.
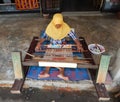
[58, 64]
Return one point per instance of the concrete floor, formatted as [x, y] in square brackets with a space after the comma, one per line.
[17, 31]
[37, 95]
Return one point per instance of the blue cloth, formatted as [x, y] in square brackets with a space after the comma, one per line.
[73, 74]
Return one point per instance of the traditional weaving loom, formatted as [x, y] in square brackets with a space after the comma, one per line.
[59, 57]
[64, 56]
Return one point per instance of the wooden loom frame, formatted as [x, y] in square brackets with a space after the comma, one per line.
[21, 68]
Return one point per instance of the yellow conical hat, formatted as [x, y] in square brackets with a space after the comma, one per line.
[60, 33]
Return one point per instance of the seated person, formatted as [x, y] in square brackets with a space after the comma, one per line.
[57, 30]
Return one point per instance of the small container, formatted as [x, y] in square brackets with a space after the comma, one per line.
[46, 16]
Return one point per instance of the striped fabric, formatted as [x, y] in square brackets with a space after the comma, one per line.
[54, 42]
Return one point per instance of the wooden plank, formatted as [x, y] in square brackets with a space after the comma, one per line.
[31, 50]
[79, 65]
[58, 64]
[103, 69]
[17, 86]
[18, 83]
[87, 53]
[100, 88]
[102, 92]
[18, 72]
[17, 66]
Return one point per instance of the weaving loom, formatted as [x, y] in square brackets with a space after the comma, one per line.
[56, 57]
[84, 61]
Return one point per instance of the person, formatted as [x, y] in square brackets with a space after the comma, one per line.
[57, 30]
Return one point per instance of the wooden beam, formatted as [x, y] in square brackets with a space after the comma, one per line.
[18, 72]
[100, 88]
[17, 66]
[87, 53]
[58, 64]
[101, 78]
[103, 69]
[102, 92]
[79, 65]
[17, 86]
[31, 49]
[19, 78]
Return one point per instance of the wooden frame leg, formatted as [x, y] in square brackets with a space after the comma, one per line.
[18, 72]
[101, 77]
[103, 69]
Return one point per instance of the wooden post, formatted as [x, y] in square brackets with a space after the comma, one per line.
[103, 69]
[18, 72]
[19, 76]
[101, 78]
[17, 66]
[40, 7]
[100, 88]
